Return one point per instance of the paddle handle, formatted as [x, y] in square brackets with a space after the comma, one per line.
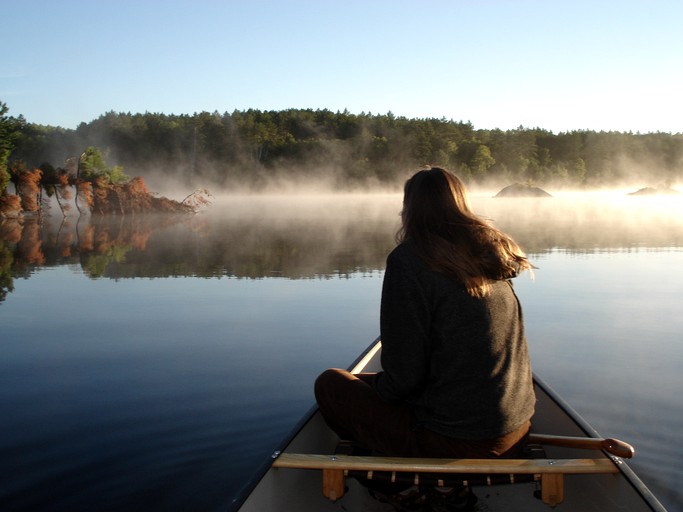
[610, 445]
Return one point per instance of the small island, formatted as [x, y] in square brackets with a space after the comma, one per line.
[664, 190]
[522, 190]
[89, 186]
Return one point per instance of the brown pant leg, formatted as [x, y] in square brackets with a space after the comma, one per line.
[430, 444]
[355, 412]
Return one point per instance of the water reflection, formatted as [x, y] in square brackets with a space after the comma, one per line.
[299, 237]
[167, 394]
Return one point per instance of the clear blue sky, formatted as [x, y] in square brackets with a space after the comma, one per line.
[559, 65]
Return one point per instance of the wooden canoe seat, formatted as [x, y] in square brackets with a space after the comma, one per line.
[548, 472]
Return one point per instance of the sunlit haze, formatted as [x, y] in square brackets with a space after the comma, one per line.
[499, 64]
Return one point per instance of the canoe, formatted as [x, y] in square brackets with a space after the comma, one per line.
[577, 470]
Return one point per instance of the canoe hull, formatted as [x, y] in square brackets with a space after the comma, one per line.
[301, 490]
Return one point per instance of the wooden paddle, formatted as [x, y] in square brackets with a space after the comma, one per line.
[610, 445]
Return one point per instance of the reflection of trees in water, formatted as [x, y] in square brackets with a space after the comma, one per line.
[297, 239]
[245, 240]
[6, 281]
[30, 243]
[10, 240]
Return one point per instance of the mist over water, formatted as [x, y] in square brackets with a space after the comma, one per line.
[585, 222]
[153, 362]
[321, 233]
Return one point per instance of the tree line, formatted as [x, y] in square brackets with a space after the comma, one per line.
[251, 149]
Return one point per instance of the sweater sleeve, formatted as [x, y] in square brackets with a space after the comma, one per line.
[404, 326]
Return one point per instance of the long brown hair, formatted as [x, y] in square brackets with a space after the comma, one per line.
[450, 238]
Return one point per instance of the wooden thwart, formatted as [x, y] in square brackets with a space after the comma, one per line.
[550, 472]
[431, 465]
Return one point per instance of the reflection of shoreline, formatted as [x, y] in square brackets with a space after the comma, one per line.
[31, 243]
[311, 237]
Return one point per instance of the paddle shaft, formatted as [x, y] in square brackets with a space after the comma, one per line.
[613, 446]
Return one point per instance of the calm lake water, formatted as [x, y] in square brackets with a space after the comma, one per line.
[152, 363]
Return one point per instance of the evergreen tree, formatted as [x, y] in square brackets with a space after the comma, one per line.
[10, 131]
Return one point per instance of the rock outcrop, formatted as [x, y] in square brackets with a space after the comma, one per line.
[659, 191]
[103, 198]
[522, 190]
[131, 197]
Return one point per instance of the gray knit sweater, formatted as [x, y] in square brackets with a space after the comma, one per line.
[461, 361]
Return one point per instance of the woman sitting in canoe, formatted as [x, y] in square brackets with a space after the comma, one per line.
[456, 379]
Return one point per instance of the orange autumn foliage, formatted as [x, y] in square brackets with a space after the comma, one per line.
[30, 247]
[28, 185]
[137, 186]
[62, 192]
[65, 246]
[62, 179]
[138, 240]
[10, 231]
[84, 192]
[10, 206]
[86, 238]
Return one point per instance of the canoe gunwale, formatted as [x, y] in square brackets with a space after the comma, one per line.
[628, 473]
[251, 484]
